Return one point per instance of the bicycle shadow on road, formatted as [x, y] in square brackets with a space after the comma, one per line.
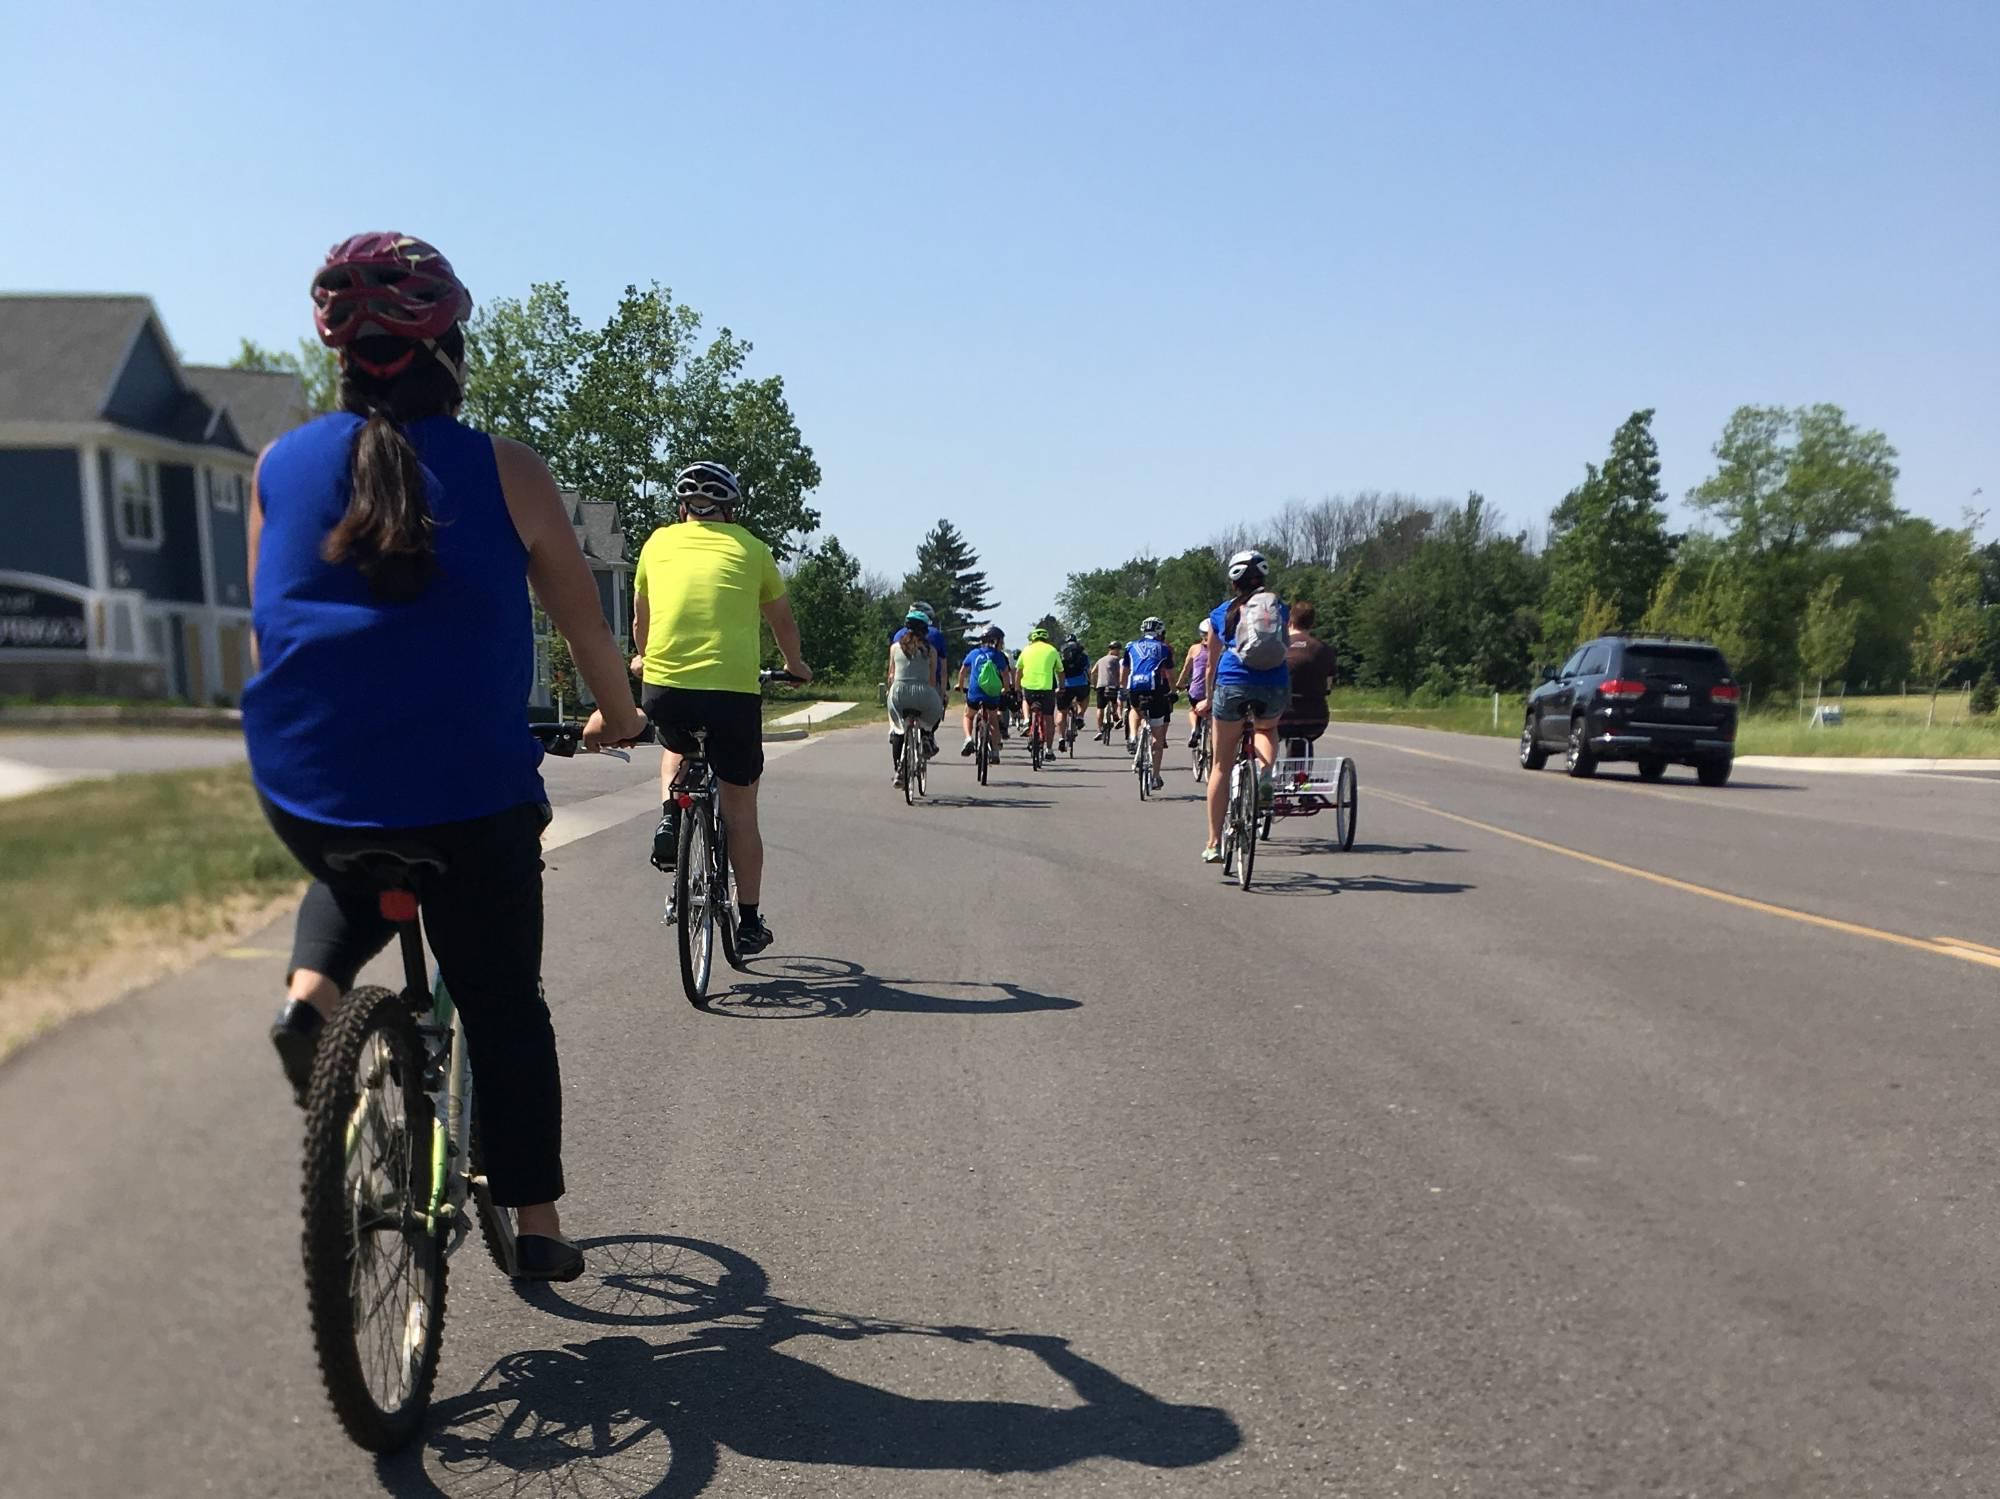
[1268, 881]
[1283, 847]
[806, 988]
[623, 1415]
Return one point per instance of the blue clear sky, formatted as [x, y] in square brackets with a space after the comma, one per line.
[1092, 277]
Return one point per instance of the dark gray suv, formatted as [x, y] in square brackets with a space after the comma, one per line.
[1658, 700]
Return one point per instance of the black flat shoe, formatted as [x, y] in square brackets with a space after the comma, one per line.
[539, 1257]
[295, 1035]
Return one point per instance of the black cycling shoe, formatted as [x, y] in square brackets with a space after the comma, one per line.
[752, 936]
[539, 1257]
[295, 1034]
[666, 843]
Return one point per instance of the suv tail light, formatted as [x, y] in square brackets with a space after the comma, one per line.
[1726, 692]
[1623, 689]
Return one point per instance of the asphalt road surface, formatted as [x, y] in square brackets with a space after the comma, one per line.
[1037, 1160]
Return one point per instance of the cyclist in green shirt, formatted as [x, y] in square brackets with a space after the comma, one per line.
[1040, 669]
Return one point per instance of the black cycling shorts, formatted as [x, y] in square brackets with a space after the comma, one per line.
[1107, 697]
[734, 722]
[1044, 702]
[1072, 697]
[1156, 707]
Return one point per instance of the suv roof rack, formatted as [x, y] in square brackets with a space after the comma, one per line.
[1658, 635]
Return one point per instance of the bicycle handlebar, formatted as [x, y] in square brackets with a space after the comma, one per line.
[563, 740]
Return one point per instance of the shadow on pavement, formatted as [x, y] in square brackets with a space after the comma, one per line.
[1270, 881]
[1282, 845]
[977, 800]
[805, 988]
[623, 1415]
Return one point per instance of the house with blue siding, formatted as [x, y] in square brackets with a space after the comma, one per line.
[124, 490]
[124, 497]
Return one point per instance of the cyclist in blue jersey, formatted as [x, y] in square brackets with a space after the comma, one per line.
[989, 697]
[1149, 689]
[1073, 692]
[393, 551]
[1253, 620]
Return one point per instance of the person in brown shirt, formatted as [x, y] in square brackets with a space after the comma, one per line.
[1311, 662]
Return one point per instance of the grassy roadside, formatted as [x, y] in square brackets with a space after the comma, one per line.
[1888, 725]
[133, 862]
[866, 697]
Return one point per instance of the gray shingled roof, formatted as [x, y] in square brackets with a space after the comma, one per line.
[597, 528]
[261, 405]
[59, 355]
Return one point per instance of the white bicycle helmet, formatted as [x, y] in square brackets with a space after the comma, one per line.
[706, 487]
[1244, 564]
[1153, 627]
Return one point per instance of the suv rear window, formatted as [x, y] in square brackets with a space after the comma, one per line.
[1700, 664]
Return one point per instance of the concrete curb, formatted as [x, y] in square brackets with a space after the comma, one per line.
[1865, 765]
[135, 717]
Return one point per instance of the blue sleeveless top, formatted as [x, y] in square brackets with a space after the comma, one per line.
[377, 715]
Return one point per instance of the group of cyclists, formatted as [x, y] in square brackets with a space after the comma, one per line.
[1256, 663]
[393, 554]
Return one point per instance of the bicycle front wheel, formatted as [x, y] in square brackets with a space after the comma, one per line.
[1246, 832]
[374, 1266]
[694, 901]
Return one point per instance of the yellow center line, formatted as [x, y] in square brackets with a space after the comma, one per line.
[1950, 947]
[1968, 942]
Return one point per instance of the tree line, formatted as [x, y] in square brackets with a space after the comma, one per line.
[1805, 570]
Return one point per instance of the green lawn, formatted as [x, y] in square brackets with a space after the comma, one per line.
[1885, 725]
[146, 859]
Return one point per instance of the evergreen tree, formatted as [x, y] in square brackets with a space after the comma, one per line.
[947, 577]
[1609, 535]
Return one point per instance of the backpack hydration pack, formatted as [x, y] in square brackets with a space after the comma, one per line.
[987, 678]
[1076, 662]
[1260, 632]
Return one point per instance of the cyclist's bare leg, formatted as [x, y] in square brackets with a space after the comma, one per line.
[670, 766]
[1266, 744]
[1227, 733]
[746, 841]
[1160, 742]
[316, 989]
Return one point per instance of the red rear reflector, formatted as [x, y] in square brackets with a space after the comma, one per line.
[684, 799]
[398, 905]
[1623, 689]
[1728, 693]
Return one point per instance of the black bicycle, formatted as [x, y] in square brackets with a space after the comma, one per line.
[702, 903]
[392, 1157]
[915, 758]
[983, 747]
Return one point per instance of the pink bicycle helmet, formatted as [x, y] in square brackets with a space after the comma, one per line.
[386, 285]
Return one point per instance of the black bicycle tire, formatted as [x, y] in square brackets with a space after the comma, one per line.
[325, 1242]
[909, 771]
[695, 989]
[981, 753]
[1247, 836]
[1347, 805]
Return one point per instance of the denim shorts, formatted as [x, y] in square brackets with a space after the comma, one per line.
[1232, 698]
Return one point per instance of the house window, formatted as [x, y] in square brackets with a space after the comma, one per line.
[225, 492]
[136, 488]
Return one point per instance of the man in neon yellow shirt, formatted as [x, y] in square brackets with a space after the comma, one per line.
[698, 591]
[1040, 668]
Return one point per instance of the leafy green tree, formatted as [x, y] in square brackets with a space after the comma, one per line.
[1985, 695]
[1598, 616]
[1950, 631]
[1609, 535]
[1798, 480]
[616, 410]
[1826, 638]
[317, 368]
[833, 609]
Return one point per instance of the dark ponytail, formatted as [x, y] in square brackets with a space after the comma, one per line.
[388, 531]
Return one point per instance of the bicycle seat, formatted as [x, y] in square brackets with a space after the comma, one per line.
[385, 860]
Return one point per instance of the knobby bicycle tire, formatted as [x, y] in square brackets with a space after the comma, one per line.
[692, 878]
[336, 1254]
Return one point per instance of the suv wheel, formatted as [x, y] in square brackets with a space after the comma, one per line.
[1651, 767]
[1533, 755]
[1714, 772]
[1579, 761]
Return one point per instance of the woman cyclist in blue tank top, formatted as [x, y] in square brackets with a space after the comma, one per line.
[392, 550]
